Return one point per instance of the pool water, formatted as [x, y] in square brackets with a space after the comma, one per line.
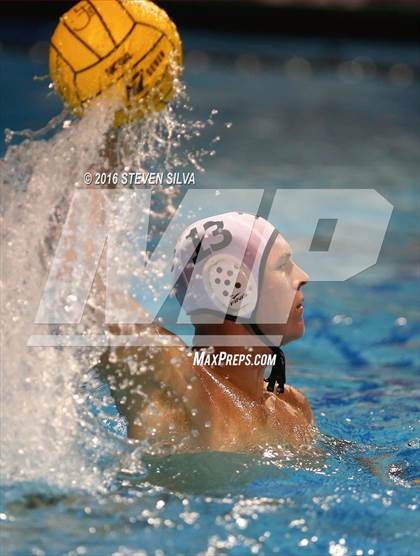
[294, 124]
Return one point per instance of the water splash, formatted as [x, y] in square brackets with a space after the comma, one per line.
[40, 425]
[48, 431]
[10, 134]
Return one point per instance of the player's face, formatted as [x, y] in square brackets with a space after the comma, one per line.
[280, 305]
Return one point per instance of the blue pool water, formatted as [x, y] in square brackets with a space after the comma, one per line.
[294, 124]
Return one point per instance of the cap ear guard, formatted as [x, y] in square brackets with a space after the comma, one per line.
[230, 285]
[219, 264]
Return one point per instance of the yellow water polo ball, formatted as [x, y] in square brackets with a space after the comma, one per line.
[128, 49]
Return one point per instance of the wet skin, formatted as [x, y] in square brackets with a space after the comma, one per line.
[178, 406]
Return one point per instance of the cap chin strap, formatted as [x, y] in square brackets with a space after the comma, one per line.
[278, 372]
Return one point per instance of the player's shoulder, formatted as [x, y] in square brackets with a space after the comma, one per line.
[295, 393]
[163, 351]
[299, 401]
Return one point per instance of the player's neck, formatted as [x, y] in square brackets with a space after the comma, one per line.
[247, 376]
[249, 379]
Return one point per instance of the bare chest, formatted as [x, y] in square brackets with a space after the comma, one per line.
[235, 422]
[221, 418]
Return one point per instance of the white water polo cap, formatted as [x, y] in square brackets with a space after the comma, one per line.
[219, 263]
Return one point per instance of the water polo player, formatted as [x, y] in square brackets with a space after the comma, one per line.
[233, 273]
[235, 277]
